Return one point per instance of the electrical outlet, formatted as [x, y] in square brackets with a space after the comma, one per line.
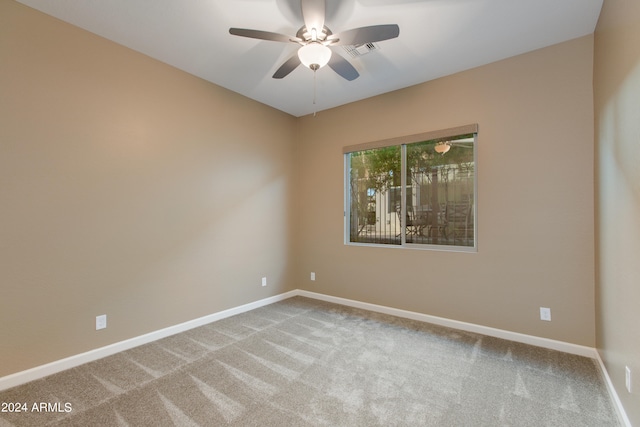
[545, 314]
[101, 322]
[627, 378]
[313, 276]
[264, 281]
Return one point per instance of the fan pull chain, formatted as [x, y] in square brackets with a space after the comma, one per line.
[314, 94]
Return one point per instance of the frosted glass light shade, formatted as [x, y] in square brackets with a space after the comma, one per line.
[442, 148]
[314, 55]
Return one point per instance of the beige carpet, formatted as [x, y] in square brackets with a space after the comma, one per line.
[302, 362]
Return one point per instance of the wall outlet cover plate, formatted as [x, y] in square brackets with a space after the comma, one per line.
[101, 322]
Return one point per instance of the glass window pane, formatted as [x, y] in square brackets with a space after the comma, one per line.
[374, 196]
[441, 208]
[434, 209]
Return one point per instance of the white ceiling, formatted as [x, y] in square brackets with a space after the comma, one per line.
[437, 38]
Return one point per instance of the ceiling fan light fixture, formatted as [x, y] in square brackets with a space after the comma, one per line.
[314, 55]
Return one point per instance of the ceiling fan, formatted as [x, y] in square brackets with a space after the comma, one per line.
[315, 39]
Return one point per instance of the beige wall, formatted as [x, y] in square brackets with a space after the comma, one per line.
[617, 107]
[127, 188]
[535, 197]
[133, 189]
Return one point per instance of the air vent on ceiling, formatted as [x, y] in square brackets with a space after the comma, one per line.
[361, 49]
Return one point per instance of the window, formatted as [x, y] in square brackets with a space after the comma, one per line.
[417, 191]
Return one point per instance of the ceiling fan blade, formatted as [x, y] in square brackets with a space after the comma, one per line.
[289, 65]
[362, 35]
[343, 67]
[313, 13]
[262, 35]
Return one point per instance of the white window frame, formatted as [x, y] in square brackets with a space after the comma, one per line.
[403, 142]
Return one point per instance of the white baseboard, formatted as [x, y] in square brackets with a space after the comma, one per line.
[73, 361]
[622, 414]
[579, 350]
[484, 330]
[70, 362]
